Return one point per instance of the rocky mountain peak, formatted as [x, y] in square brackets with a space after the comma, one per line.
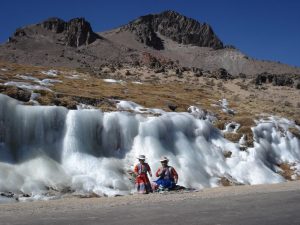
[54, 24]
[175, 26]
[75, 32]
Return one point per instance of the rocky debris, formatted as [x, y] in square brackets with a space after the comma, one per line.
[16, 93]
[197, 71]
[157, 63]
[69, 103]
[175, 26]
[74, 33]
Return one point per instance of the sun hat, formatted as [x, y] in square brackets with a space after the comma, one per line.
[141, 157]
[164, 159]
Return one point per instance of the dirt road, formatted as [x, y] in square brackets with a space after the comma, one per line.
[262, 204]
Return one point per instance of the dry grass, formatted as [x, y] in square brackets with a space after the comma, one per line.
[286, 172]
[158, 90]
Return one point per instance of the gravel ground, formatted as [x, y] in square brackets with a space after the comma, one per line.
[70, 204]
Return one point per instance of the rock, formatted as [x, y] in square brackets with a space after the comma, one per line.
[283, 80]
[175, 26]
[221, 73]
[264, 78]
[297, 84]
[172, 106]
[54, 24]
[275, 79]
[16, 93]
[74, 33]
[79, 32]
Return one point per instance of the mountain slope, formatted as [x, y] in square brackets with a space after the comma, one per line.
[168, 35]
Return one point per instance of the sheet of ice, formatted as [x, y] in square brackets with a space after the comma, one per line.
[136, 82]
[4, 69]
[199, 113]
[27, 77]
[242, 141]
[73, 76]
[46, 148]
[49, 82]
[132, 106]
[224, 106]
[26, 86]
[113, 81]
[44, 82]
[82, 106]
[231, 127]
[51, 73]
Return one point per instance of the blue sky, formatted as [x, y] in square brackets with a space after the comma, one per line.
[265, 29]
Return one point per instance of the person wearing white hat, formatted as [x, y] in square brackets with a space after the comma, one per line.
[142, 182]
[168, 176]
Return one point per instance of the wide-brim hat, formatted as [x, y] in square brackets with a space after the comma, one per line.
[164, 159]
[141, 157]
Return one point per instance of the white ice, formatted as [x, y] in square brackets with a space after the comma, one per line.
[224, 106]
[132, 106]
[44, 82]
[51, 73]
[137, 82]
[231, 127]
[26, 86]
[89, 151]
[113, 81]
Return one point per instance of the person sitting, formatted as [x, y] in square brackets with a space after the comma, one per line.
[168, 176]
[142, 182]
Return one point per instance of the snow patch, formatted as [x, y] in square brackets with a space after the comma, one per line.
[231, 127]
[26, 86]
[132, 106]
[113, 81]
[51, 73]
[224, 106]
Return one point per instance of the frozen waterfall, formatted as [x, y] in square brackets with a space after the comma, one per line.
[88, 151]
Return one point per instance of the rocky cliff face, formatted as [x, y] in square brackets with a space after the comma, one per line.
[74, 33]
[174, 26]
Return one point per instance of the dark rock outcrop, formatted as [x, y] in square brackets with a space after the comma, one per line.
[54, 24]
[174, 26]
[275, 79]
[79, 32]
[221, 73]
[74, 33]
[282, 80]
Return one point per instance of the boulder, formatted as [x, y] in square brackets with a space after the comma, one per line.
[16, 93]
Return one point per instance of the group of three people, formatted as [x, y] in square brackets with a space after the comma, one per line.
[167, 176]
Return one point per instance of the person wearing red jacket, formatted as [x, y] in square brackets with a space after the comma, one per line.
[142, 182]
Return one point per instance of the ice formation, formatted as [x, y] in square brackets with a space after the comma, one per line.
[112, 81]
[132, 106]
[46, 148]
[26, 85]
[224, 106]
[50, 73]
[232, 127]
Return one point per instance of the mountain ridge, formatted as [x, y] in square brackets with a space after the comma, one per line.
[169, 35]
